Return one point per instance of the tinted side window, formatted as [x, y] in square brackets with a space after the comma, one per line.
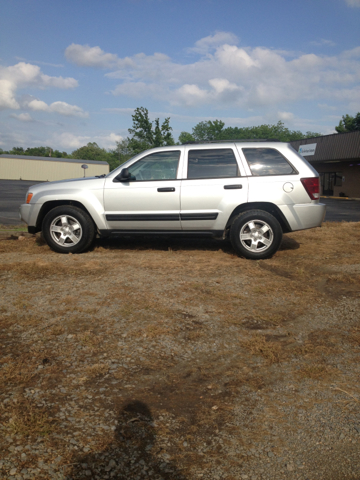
[267, 161]
[212, 163]
[156, 166]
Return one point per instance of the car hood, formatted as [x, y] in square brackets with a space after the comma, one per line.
[73, 183]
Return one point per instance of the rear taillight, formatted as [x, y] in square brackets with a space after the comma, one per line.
[312, 186]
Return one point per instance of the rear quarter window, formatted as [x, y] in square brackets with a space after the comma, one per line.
[267, 161]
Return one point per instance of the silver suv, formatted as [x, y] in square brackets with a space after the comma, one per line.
[250, 192]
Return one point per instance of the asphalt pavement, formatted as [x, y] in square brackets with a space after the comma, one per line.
[12, 195]
[340, 210]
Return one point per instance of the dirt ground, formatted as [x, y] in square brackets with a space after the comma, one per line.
[176, 359]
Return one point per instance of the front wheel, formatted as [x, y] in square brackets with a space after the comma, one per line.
[255, 234]
[68, 229]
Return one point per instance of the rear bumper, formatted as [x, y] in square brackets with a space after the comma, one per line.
[301, 217]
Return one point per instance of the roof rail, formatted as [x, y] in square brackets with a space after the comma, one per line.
[194, 142]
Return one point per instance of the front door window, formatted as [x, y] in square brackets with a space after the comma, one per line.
[157, 166]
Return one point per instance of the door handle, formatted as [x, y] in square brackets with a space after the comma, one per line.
[232, 187]
[167, 189]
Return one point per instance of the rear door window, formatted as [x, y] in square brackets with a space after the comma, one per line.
[267, 161]
[212, 163]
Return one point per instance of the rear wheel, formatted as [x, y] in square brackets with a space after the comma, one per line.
[255, 234]
[68, 229]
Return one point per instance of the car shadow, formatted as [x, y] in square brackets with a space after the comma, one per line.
[176, 243]
[163, 243]
[289, 243]
[130, 455]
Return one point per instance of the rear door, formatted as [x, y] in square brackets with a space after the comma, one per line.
[213, 184]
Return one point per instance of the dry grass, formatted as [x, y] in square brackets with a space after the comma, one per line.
[316, 371]
[96, 370]
[18, 371]
[42, 269]
[355, 336]
[23, 417]
[258, 345]
[176, 317]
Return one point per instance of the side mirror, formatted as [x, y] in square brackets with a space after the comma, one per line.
[124, 175]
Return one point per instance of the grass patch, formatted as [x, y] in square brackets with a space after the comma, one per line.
[316, 371]
[16, 371]
[258, 345]
[25, 418]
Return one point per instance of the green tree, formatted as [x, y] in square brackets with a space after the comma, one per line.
[276, 132]
[38, 151]
[120, 154]
[348, 123]
[17, 151]
[208, 130]
[91, 151]
[186, 137]
[147, 135]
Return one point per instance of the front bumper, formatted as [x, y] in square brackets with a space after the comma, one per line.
[29, 213]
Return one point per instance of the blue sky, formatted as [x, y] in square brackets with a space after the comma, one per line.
[72, 72]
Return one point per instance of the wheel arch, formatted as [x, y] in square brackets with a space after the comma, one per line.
[45, 209]
[268, 207]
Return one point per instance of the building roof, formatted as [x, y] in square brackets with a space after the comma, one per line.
[337, 146]
[53, 159]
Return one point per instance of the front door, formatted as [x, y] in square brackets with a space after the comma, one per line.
[150, 200]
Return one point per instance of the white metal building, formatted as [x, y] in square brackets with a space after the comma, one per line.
[43, 169]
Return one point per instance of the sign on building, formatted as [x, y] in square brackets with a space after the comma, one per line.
[306, 150]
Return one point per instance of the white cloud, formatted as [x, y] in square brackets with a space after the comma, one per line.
[228, 74]
[325, 106]
[353, 3]
[24, 75]
[245, 77]
[86, 56]
[286, 116]
[23, 117]
[68, 140]
[323, 43]
[56, 65]
[62, 108]
[206, 44]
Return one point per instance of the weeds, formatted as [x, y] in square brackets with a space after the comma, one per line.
[315, 371]
[258, 345]
[25, 418]
[96, 370]
[18, 371]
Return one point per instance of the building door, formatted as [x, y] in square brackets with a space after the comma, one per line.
[329, 180]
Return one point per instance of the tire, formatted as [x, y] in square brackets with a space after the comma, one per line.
[255, 234]
[68, 229]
